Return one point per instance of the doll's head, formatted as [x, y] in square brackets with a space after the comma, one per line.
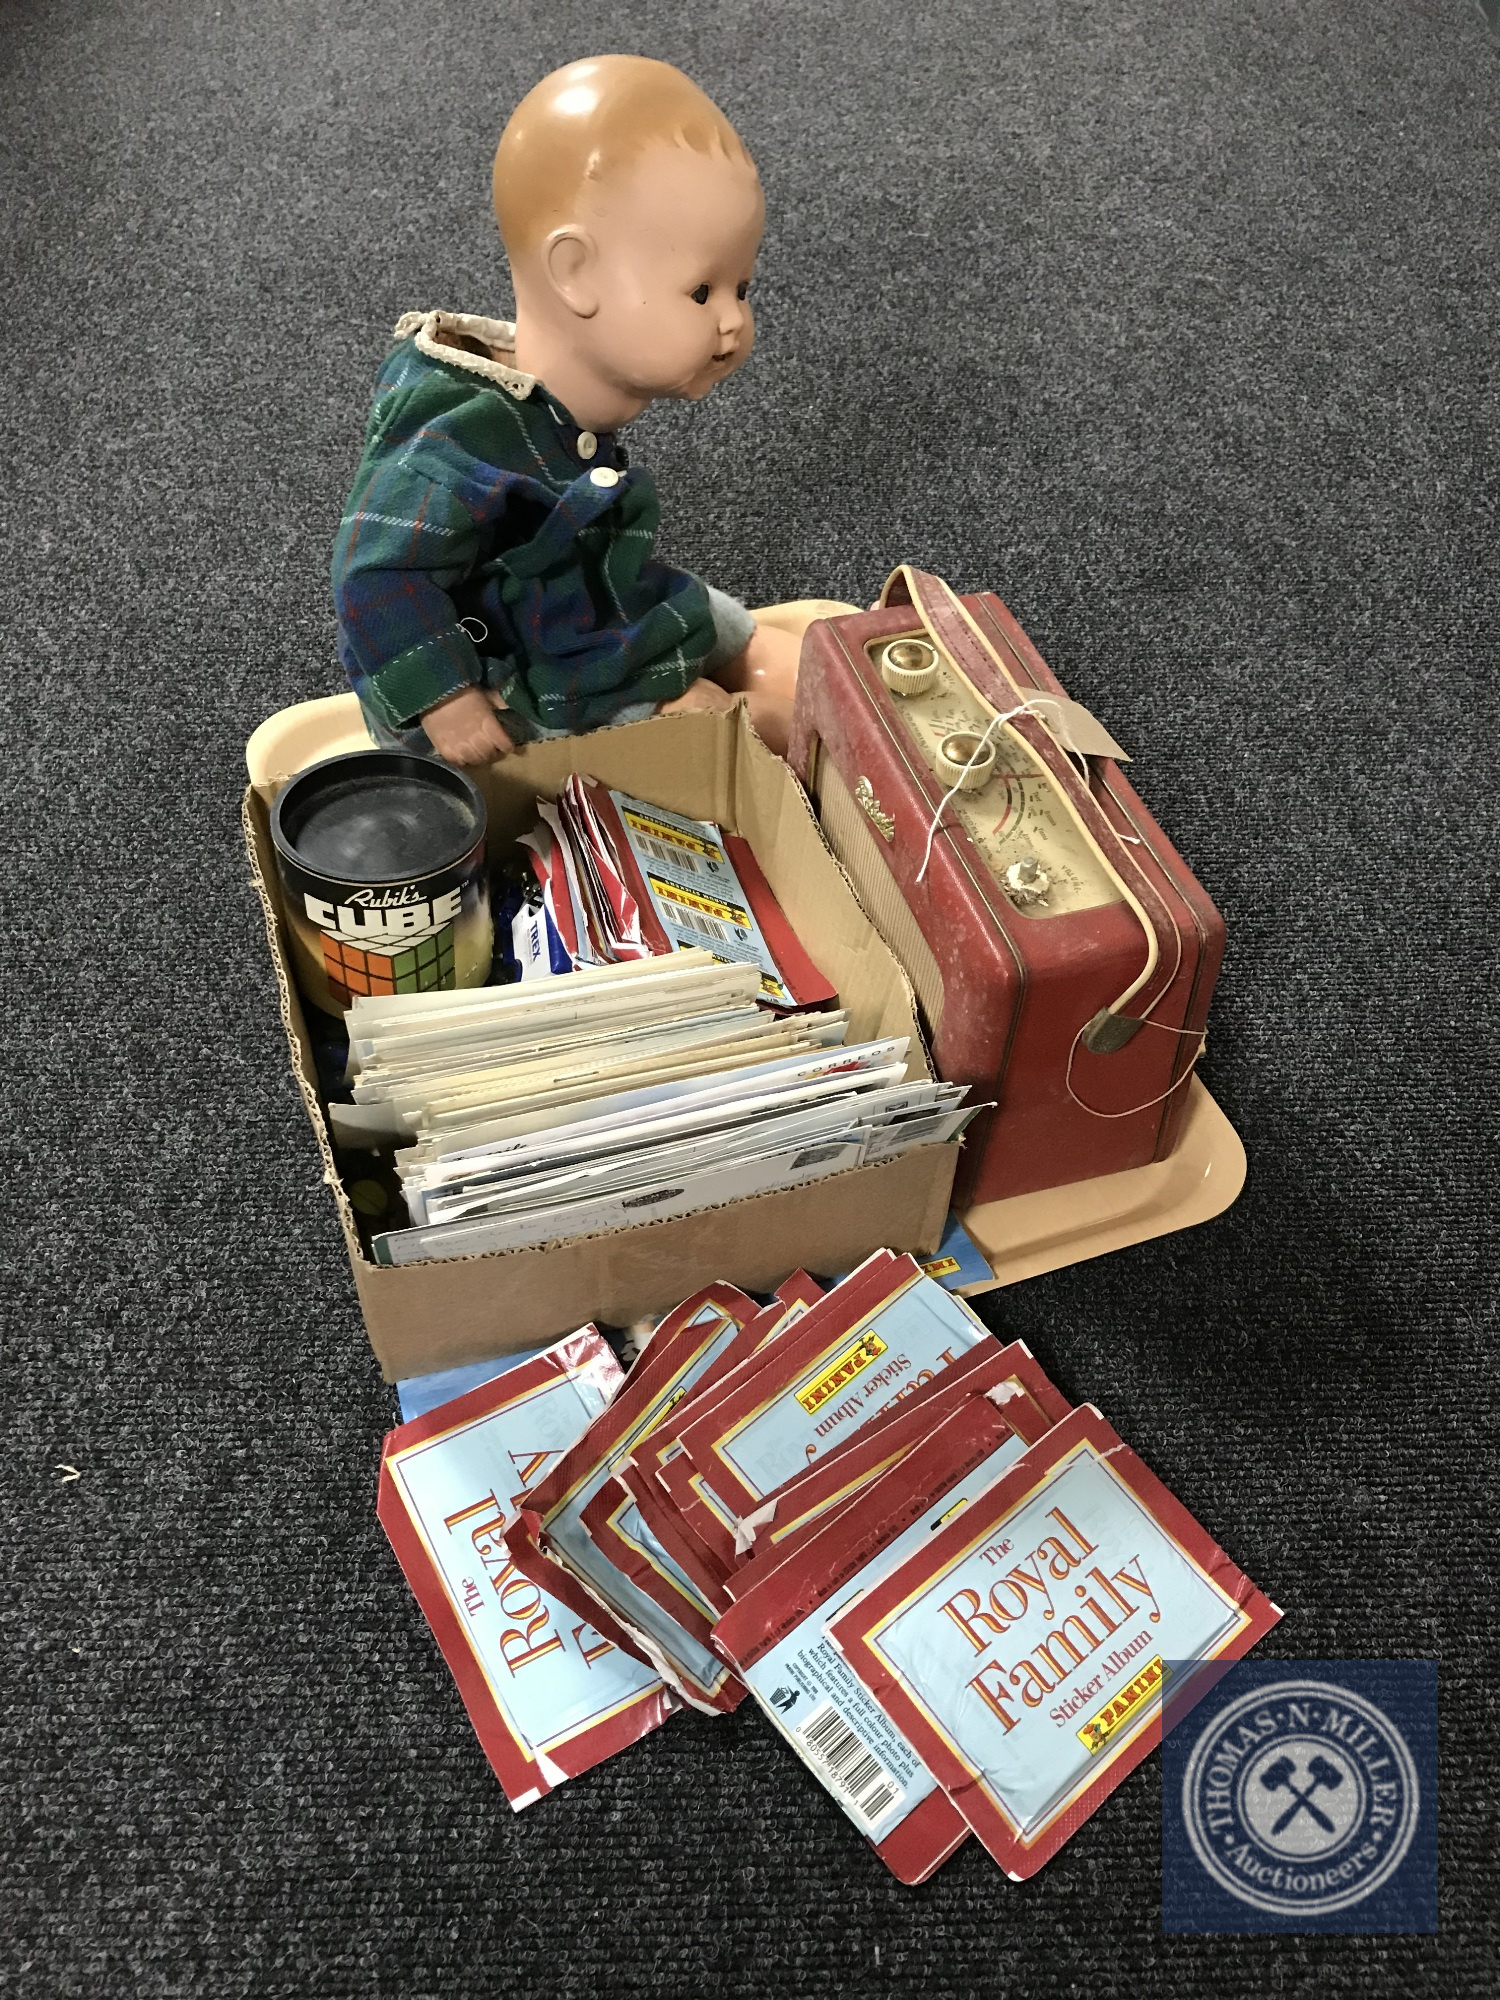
[631, 214]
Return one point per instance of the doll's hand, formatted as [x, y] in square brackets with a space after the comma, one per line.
[702, 694]
[464, 728]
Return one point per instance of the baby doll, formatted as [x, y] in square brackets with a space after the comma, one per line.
[493, 573]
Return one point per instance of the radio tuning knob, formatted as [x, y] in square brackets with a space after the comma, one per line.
[908, 666]
[966, 759]
[1027, 881]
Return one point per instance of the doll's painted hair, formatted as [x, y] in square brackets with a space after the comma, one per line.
[586, 122]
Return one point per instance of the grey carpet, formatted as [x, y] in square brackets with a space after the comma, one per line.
[1173, 323]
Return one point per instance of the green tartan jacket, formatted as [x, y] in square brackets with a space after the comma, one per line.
[489, 541]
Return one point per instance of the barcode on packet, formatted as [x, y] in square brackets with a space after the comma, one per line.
[696, 921]
[674, 856]
[847, 1765]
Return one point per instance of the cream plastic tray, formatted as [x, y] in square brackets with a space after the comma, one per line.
[1032, 1233]
[1019, 1238]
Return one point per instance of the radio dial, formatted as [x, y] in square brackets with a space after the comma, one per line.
[994, 783]
[1027, 881]
[967, 759]
[908, 666]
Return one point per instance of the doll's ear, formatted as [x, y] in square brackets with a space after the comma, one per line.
[570, 258]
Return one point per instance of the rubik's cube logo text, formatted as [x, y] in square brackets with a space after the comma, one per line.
[381, 943]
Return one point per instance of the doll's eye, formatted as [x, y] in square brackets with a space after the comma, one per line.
[742, 290]
[700, 297]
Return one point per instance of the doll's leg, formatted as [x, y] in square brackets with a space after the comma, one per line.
[765, 670]
[756, 654]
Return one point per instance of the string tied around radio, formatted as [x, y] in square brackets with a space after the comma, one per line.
[1198, 1035]
[1028, 707]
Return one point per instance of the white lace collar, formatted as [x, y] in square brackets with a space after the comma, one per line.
[498, 334]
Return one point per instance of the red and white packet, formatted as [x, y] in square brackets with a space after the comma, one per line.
[1011, 1377]
[886, 1328]
[775, 1635]
[689, 1498]
[555, 1518]
[550, 1691]
[641, 1474]
[1024, 1648]
[693, 876]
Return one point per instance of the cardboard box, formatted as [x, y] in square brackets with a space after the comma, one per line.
[422, 1317]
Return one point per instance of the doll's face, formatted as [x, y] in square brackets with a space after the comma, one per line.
[660, 276]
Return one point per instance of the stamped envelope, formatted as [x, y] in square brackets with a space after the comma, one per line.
[549, 1692]
[1023, 1649]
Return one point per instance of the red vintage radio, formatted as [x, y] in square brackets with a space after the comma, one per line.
[1062, 952]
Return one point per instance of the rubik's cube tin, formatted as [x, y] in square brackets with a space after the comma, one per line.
[381, 856]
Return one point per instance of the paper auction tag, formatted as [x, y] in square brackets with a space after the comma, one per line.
[1074, 726]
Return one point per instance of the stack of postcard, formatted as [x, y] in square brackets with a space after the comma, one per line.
[532, 1114]
[959, 1600]
[623, 880]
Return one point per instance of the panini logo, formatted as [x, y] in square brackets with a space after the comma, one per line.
[1123, 1707]
[693, 899]
[678, 836]
[869, 1347]
[941, 1267]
